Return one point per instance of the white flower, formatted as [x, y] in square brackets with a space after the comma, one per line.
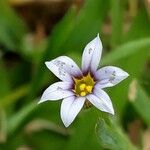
[81, 86]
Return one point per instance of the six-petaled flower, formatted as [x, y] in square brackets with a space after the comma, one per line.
[79, 86]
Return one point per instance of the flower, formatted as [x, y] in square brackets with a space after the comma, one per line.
[79, 87]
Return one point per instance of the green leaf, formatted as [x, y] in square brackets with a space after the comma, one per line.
[136, 31]
[91, 17]
[12, 28]
[111, 136]
[140, 101]
[117, 12]
[3, 80]
[19, 117]
[60, 36]
[3, 128]
[126, 50]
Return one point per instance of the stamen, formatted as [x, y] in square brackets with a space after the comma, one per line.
[89, 88]
[82, 86]
[83, 93]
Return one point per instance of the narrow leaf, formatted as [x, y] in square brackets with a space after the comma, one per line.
[126, 50]
[111, 136]
[140, 101]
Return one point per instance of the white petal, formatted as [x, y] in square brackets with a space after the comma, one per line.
[57, 91]
[92, 55]
[102, 102]
[103, 96]
[64, 67]
[70, 107]
[109, 76]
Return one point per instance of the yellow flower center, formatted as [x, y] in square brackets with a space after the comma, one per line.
[84, 85]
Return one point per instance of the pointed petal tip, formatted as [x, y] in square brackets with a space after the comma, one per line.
[42, 99]
[126, 74]
[99, 40]
[46, 63]
[39, 102]
[98, 37]
[66, 125]
[112, 112]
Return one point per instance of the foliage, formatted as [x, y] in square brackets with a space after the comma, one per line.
[111, 136]
[23, 77]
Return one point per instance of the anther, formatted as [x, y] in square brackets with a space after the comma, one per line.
[83, 93]
[82, 86]
[89, 88]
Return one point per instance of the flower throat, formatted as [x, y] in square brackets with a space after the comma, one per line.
[84, 85]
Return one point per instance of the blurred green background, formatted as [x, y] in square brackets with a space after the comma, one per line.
[34, 31]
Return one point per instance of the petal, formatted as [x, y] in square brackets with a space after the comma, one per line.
[109, 76]
[57, 91]
[101, 101]
[70, 107]
[103, 96]
[64, 67]
[91, 55]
